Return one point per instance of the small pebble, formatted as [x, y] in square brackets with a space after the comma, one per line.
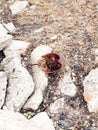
[18, 6]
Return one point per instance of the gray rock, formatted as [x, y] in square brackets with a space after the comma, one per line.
[66, 85]
[91, 90]
[10, 120]
[3, 84]
[40, 78]
[42, 121]
[18, 6]
[20, 85]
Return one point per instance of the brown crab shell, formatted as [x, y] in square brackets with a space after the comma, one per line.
[50, 63]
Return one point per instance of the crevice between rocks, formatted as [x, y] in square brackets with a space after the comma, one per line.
[78, 100]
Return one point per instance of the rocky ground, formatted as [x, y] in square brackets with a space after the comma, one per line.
[62, 100]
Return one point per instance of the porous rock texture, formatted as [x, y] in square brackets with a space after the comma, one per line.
[20, 83]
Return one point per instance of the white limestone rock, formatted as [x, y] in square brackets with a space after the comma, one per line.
[5, 41]
[20, 85]
[3, 30]
[9, 26]
[39, 30]
[57, 106]
[17, 46]
[10, 120]
[33, 7]
[40, 78]
[34, 100]
[91, 90]
[95, 51]
[18, 6]
[54, 38]
[66, 85]
[3, 84]
[42, 121]
[40, 51]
